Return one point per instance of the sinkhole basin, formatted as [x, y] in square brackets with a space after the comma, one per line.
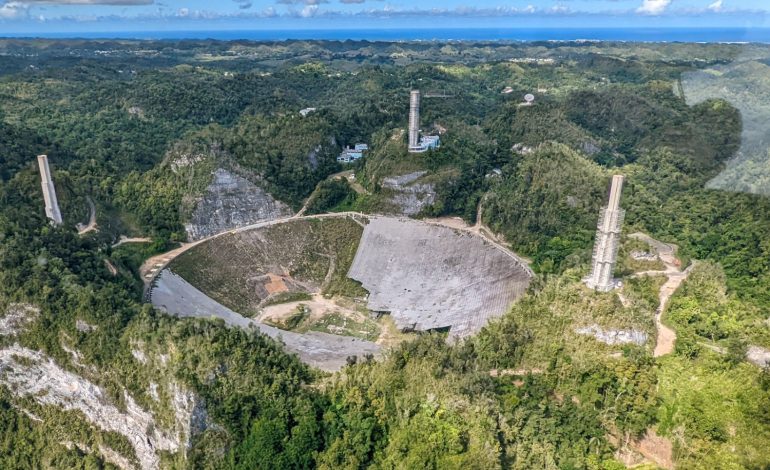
[318, 284]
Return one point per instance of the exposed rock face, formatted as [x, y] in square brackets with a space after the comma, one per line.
[139, 356]
[590, 148]
[231, 202]
[184, 160]
[522, 149]
[84, 327]
[112, 457]
[644, 256]
[29, 373]
[312, 157]
[189, 414]
[758, 356]
[411, 197]
[612, 337]
[17, 316]
[136, 111]
[396, 182]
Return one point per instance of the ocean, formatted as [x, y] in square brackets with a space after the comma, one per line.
[722, 35]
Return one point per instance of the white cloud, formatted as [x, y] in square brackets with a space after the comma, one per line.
[20, 8]
[85, 2]
[716, 6]
[308, 11]
[13, 10]
[653, 7]
[302, 2]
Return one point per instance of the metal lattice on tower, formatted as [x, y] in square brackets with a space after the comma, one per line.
[607, 240]
[49, 192]
[414, 119]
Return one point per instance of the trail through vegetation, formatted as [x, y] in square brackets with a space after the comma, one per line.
[675, 276]
[91, 225]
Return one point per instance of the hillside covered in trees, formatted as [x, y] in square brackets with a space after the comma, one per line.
[140, 131]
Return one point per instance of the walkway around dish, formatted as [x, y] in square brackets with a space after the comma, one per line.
[154, 265]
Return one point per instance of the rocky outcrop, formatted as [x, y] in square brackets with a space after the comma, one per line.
[410, 196]
[84, 327]
[590, 148]
[643, 256]
[111, 456]
[758, 356]
[29, 373]
[613, 337]
[17, 317]
[182, 157]
[232, 201]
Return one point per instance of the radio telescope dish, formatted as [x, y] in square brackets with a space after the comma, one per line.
[529, 98]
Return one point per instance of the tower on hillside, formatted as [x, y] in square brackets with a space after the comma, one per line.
[414, 119]
[49, 192]
[607, 240]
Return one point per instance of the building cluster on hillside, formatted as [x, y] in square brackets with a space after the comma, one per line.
[427, 142]
[419, 143]
[349, 155]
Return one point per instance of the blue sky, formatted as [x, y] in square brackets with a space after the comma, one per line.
[30, 16]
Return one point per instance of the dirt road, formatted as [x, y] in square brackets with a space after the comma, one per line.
[124, 239]
[667, 253]
[83, 229]
[153, 266]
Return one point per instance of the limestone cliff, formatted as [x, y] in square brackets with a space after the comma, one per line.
[231, 201]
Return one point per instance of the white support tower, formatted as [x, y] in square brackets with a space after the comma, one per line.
[414, 120]
[49, 192]
[607, 240]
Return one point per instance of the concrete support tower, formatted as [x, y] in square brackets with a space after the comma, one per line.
[607, 240]
[49, 192]
[414, 119]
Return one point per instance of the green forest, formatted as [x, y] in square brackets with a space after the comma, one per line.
[526, 392]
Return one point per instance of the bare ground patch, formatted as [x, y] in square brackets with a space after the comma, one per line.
[329, 315]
